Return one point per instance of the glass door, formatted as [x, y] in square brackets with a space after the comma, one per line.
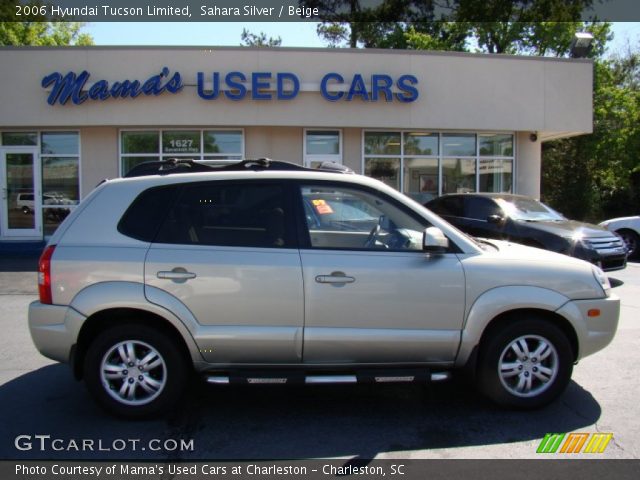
[21, 214]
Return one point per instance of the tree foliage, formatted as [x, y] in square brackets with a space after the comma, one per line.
[39, 31]
[258, 40]
[598, 175]
[49, 34]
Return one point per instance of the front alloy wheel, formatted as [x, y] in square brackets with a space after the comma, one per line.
[528, 366]
[526, 363]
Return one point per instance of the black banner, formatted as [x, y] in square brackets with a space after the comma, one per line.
[315, 10]
[327, 469]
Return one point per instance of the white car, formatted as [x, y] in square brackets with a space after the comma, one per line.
[629, 229]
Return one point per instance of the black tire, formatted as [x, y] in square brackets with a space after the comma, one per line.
[631, 241]
[167, 367]
[503, 385]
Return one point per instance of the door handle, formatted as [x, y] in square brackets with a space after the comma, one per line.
[339, 278]
[178, 274]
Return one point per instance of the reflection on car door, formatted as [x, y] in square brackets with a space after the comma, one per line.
[378, 301]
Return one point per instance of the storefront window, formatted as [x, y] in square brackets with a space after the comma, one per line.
[59, 143]
[181, 142]
[428, 164]
[19, 139]
[495, 145]
[320, 142]
[421, 143]
[210, 146]
[322, 146]
[223, 142]
[382, 143]
[386, 170]
[458, 175]
[60, 177]
[421, 178]
[463, 145]
[140, 142]
[495, 175]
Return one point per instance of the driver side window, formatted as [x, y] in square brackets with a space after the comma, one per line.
[350, 219]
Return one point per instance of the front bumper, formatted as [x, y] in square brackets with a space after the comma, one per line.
[594, 332]
[54, 329]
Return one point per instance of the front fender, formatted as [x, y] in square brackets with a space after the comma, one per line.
[111, 295]
[500, 300]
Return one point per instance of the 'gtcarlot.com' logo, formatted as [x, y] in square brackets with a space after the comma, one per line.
[45, 443]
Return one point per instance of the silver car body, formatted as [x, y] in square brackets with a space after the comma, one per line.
[257, 307]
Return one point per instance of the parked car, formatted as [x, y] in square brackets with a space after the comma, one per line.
[25, 201]
[525, 220]
[270, 273]
[629, 230]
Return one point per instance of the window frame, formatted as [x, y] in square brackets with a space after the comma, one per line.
[308, 158]
[403, 156]
[202, 156]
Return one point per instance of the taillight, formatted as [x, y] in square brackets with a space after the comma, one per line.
[44, 275]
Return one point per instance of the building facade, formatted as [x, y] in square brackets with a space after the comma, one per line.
[427, 123]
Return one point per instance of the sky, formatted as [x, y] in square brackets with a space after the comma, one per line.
[301, 34]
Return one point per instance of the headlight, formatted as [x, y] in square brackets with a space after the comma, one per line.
[602, 279]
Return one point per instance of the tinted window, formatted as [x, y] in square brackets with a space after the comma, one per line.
[452, 206]
[481, 208]
[145, 215]
[236, 215]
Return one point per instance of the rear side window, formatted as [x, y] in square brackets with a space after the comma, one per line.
[143, 218]
[451, 206]
[227, 214]
[481, 208]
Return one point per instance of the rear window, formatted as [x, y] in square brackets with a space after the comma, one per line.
[144, 217]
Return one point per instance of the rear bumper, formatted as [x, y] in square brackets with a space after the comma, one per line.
[596, 332]
[54, 329]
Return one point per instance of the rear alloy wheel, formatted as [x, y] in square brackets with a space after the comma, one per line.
[631, 240]
[135, 371]
[527, 364]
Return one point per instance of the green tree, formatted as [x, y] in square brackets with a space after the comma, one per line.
[596, 176]
[50, 34]
[38, 31]
[258, 40]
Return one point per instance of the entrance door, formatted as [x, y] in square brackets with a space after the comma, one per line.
[21, 214]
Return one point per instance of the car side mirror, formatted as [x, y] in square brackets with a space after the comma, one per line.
[433, 240]
[495, 219]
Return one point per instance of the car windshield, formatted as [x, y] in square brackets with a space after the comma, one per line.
[529, 210]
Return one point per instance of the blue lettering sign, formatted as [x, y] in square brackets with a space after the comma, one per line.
[283, 92]
[234, 86]
[408, 93]
[381, 84]
[260, 80]
[357, 89]
[72, 87]
[237, 90]
[332, 97]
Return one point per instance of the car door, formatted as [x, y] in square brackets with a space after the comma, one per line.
[227, 251]
[371, 294]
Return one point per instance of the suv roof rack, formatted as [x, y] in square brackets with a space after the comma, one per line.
[188, 165]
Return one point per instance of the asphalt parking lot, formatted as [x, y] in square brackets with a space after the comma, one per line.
[40, 397]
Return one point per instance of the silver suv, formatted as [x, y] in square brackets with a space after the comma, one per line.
[267, 272]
